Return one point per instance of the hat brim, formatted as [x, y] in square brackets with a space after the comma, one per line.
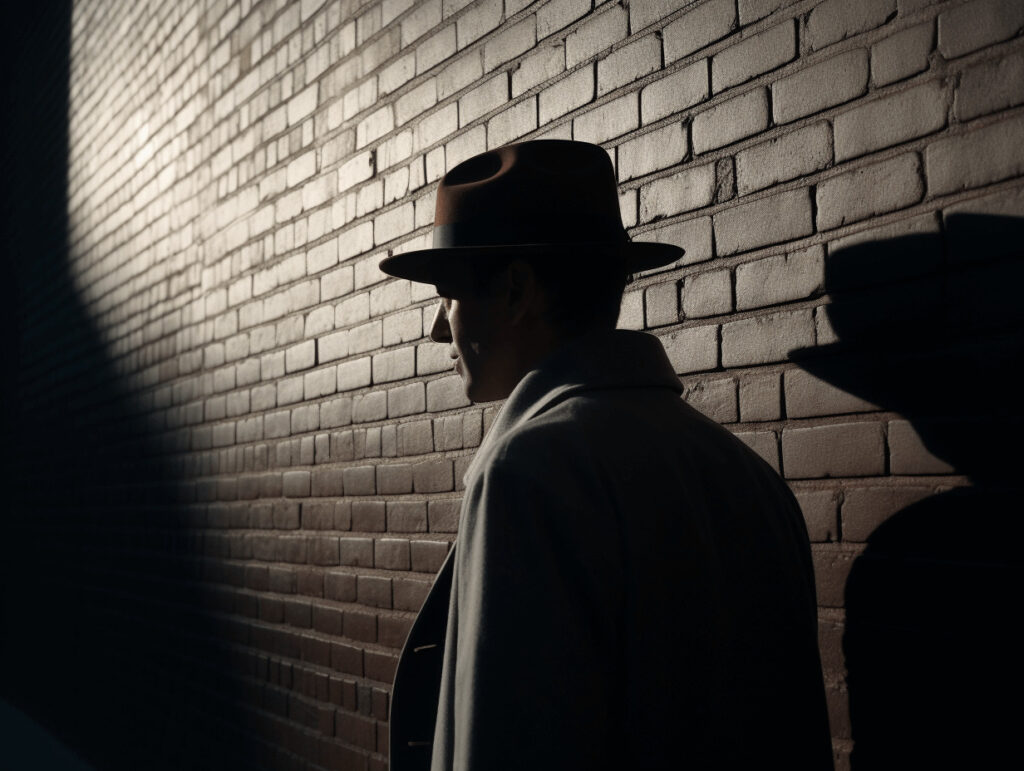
[432, 265]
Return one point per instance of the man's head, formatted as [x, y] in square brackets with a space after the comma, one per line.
[501, 318]
[528, 251]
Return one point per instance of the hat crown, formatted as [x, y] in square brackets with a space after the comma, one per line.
[547, 191]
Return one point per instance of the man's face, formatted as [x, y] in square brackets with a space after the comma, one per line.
[473, 325]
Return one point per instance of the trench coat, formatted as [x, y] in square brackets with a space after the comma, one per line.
[631, 587]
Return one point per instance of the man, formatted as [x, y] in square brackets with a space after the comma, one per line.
[631, 586]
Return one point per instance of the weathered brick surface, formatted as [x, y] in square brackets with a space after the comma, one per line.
[236, 171]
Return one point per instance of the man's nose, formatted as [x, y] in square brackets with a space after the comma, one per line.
[440, 332]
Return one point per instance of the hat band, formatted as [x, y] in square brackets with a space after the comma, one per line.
[462, 234]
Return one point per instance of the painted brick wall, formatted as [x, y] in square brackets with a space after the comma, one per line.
[237, 170]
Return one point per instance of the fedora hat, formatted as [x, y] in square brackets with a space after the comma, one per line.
[547, 196]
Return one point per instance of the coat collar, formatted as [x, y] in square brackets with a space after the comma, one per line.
[606, 360]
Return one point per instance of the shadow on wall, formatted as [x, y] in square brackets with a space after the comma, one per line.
[930, 326]
[106, 635]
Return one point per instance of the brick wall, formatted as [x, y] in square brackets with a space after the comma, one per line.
[246, 458]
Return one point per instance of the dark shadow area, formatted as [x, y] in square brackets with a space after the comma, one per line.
[107, 638]
[930, 326]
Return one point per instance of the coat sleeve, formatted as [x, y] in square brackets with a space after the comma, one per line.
[539, 607]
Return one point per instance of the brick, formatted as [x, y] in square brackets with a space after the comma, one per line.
[864, 509]
[336, 412]
[413, 103]
[764, 443]
[359, 480]
[753, 10]
[428, 556]
[332, 347]
[443, 515]
[656, 150]
[424, 17]
[318, 321]
[698, 28]
[903, 54]
[707, 294]
[511, 124]
[369, 516]
[437, 48]
[686, 190]
[766, 339]
[629, 63]
[481, 100]
[869, 190]
[356, 552]
[394, 365]
[466, 69]
[406, 400]
[821, 513]
[477, 21]
[715, 398]
[662, 304]
[407, 517]
[693, 235]
[545, 63]
[369, 407]
[971, 26]
[908, 453]
[566, 95]
[753, 56]
[436, 127]
[302, 104]
[760, 397]
[558, 14]
[375, 125]
[415, 438]
[512, 41]
[693, 349]
[631, 311]
[809, 396]
[296, 484]
[403, 327]
[354, 374]
[889, 121]
[730, 121]
[674, 93]
[445, 394]
[788, 156]
[838, 450]
[975, 158]
[597, 34]
[608, 121]
[834, 81]
[392, 554]
[780, 278]
[772, 220]
[433, 476]
[301, 356]
[835, 20]
[990, 86]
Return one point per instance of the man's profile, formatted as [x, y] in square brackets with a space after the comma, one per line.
[631, 586]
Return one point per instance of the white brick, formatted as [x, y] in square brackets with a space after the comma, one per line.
[608, 121]
[786, 157]
[675, 93]
[596, 34]
[766, 339]
[629, 63]
[511, 124]
[990, 86]
[833, 81]
[753, 56]
[393, 223]
[902, 55]
[869, 190]
[842, 450]
[478, 20]
[422, 20]
[332, 347]
[976, 158]
[354, 374]
[509, 43]
[302, 104]
[889, 121]
[694, 349]
[545, 63]
[557, 14]
[835, 20]
[375, 125]
[707, 294]
[653, 151]
[567, 94]
[436, 127]
[772, 220]
[322, 256]
[483, 99]
[968, 27]
[415, 102]
[695, 29]
[730, 121]
[809, 396]
[684, 191]
[693, 235]
[780, 278]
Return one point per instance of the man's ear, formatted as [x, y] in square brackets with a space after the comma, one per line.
[521, 290]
